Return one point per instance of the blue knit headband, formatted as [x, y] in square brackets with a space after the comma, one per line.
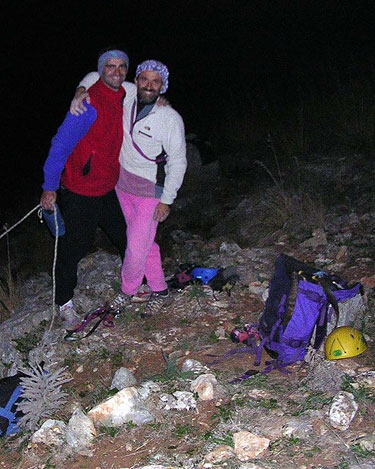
[112, 54]
[155, 66]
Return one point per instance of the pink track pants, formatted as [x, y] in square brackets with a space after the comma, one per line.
[142, 254]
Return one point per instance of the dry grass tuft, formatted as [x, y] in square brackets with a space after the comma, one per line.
[9, 294]
[284, 209]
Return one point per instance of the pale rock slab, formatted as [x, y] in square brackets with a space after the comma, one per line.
[51, 433]
[319, 238]
[193, 365]
[123, 407]
[342, 410]
[219, 454]
[204, 386]
[123, 378]
[80, 433]
[248, 446]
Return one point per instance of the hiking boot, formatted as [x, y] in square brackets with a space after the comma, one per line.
[70, 318]
[143, 294]
[156, 303]
[119, 302]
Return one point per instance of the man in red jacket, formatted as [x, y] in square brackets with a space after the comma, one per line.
[83, 162]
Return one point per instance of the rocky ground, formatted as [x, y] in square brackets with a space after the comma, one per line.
[217, 222]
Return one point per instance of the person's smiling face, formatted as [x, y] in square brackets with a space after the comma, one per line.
[149, 85]
[114, 73]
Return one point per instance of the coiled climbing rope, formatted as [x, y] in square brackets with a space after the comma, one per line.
[39, 208]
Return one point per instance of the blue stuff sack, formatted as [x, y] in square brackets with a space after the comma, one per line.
[49, 218]
[204, 274]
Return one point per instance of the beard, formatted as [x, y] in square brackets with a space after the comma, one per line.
[147, 96]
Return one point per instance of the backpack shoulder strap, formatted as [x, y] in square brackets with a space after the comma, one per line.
[7, 411]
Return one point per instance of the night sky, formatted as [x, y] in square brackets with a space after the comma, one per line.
[220, 54]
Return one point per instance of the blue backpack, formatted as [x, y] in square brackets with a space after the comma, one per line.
[286, 340]
[10, 394]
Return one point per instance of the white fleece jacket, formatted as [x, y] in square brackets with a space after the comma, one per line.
[162, 128]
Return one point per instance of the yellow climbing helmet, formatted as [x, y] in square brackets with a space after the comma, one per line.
[344, 342]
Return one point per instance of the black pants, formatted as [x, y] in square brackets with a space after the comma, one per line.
[82, 216]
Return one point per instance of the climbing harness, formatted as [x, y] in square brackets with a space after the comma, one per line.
[103, 315]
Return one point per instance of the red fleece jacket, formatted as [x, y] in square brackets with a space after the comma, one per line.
[93, 166]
